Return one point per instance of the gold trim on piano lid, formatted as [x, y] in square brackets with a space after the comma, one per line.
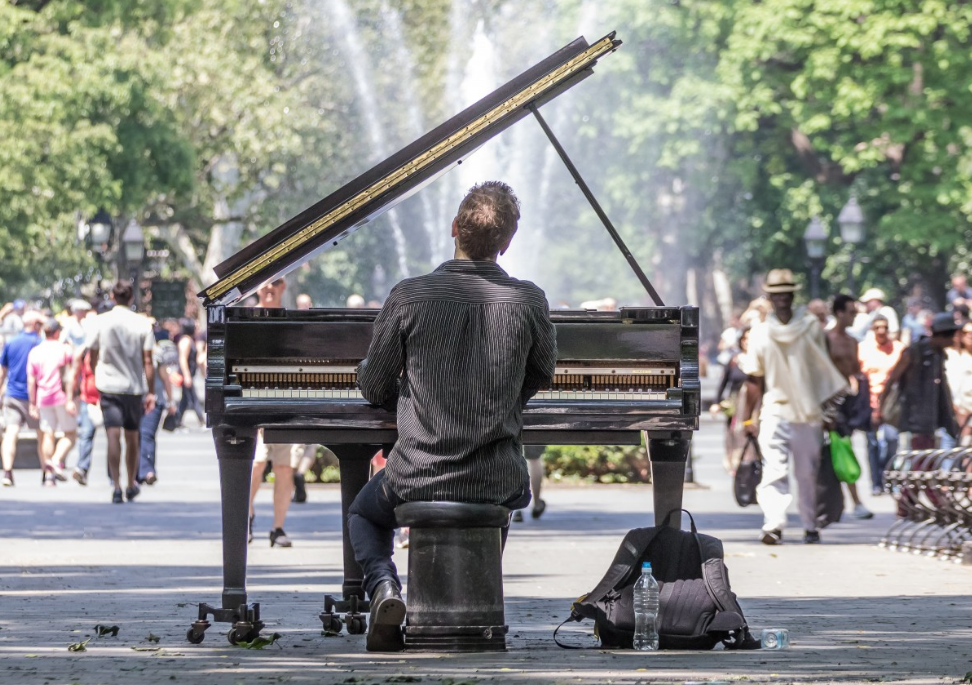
[594, 52]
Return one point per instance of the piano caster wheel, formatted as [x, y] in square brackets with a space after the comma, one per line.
[357, 624]
[243, 632]
[332, 623]
[197, 633]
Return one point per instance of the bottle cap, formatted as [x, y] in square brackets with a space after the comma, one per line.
[646, 564]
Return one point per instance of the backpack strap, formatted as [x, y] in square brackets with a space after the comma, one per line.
[632, 548]
[668, 517]
[573, 617]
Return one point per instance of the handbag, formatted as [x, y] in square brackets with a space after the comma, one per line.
[890, 407]
[748, 474]
[170, 422]
[846, 467]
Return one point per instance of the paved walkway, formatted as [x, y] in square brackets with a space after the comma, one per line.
[70, 560]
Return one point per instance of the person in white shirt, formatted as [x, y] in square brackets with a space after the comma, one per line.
[790, 369]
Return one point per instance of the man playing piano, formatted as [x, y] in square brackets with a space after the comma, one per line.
[461, 349]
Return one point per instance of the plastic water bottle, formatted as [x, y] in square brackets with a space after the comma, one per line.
[646, 611]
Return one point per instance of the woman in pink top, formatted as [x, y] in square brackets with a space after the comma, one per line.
[51, 402]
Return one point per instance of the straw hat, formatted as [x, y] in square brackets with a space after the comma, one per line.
[780, 281]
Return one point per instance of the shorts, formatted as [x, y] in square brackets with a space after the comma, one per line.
[15, 412]
[122, 411]
[56, 418]
[278, 455]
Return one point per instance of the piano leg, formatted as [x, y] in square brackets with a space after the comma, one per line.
[234, 449]
[668, 453]
[355, 465]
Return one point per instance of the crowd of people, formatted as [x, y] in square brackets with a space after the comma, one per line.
[92, 365]
[791, 377]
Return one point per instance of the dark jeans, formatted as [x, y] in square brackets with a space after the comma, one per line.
[86, 433]
[189, 400]
[371, 525]
[882, 444]
[148, 428]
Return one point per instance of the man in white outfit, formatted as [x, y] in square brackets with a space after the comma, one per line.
[790, 369]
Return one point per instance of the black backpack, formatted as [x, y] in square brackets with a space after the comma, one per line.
[697, 610]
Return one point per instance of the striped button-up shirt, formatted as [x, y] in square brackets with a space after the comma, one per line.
[463, 348]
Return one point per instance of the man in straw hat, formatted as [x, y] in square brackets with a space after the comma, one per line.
[790, 369]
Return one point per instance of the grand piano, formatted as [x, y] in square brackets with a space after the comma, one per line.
[620, 374]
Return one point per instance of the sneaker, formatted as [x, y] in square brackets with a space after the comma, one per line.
[81, 476]
[8, 479]
[401, 538]
[150, 478]
[300, 488]
[771, 537]
[862, 512]
[811, 537]
[517, 516]
[117, 497]
[249, 537]
[278, 538]
[58, 473]
[876, 491]
[538, 509]
[49, 480]
[132, 493]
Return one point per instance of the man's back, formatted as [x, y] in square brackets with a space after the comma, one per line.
[120, 336]
[472, 345]
[14, 359]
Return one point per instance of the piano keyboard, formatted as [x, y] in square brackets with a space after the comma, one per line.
[547, 395]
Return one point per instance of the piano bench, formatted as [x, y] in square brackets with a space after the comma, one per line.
[455, 576]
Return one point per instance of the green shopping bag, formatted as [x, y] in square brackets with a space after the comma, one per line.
[842, 455]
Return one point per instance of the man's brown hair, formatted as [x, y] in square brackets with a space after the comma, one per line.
[487, 219]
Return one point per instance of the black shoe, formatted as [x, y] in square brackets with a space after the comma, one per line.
[249, 537]
[772, 537]
[385, 623]
[278, 538]
[517, 516]
[132, 493]
[811, 537]
[538, 509]
[117, 498]
[300, 488]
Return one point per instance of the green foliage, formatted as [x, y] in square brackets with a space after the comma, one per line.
[598, 464]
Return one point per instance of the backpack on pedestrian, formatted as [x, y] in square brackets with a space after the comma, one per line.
[698, 609]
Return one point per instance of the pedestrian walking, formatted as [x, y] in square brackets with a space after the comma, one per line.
[163, 355]
[188, 365]
[16, 399]
[926, 403]
[120, 346]
[855, 411]
[283, 458]
[791, 371]
[958, 369]
[90, 417]
[878, 355]
[52, 400]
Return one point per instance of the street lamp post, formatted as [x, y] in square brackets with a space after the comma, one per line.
[97, 235]
[815, 239]
[851, 222]
[132, 253]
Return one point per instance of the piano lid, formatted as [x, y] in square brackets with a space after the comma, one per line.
[401, 175]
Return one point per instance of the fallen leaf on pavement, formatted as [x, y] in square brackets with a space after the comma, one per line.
[77, 646]
[104, 631]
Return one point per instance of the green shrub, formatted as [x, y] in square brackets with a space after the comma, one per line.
[598, 464]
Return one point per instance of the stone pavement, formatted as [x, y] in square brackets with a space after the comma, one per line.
[70, 560]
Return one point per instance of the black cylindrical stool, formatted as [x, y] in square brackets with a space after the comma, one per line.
[455, 576]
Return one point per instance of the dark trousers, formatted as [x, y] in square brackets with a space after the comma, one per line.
[371, 525]
[190, 400]
[148, 429]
